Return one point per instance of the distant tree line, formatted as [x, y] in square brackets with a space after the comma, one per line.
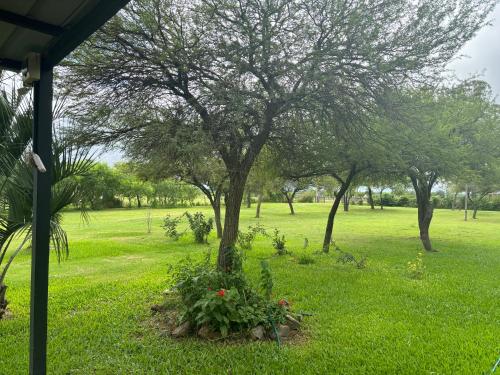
[122, 186]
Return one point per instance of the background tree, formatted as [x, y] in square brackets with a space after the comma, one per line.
[171, 147]
[480, 172]
[431, 144]
[99, 188]
[262, 178]
[291, 186]
[233, 66]
[319, 147]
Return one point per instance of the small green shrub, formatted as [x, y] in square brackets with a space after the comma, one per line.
[305, 259]
[279, 242]
[348, 258]
[245, 239]
[200, 227]
[224, 301]
[416, 268]
[170, 226]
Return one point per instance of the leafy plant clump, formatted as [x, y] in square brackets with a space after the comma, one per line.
[279, 242]
[200, 226]
[346, 258]
[170, 225]
[305, 259]
[245, 239]
[416, 268]
[224, 303]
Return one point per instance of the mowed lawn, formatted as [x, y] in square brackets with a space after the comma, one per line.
[371, 321]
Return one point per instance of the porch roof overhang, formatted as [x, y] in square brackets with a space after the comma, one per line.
[52, 28]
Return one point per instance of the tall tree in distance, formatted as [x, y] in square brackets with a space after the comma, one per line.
[291, 186]
[242, 66]
[320, 147]
[432, 141]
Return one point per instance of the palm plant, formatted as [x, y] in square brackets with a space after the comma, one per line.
[16, 183]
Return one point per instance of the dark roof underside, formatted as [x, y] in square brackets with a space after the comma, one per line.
[50, 27]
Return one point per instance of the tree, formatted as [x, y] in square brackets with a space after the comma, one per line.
[487, 181]
[385, 177]
[320, 148]
[480, 172]
[241, 67]
[290, 187]
[370, 197]
[132, 186]
[16, 183]
[432, 143]
[173, 147]
[262, 178]
[99, 187]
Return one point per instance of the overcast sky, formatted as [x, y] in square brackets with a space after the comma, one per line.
[483, 55]
[480, 56]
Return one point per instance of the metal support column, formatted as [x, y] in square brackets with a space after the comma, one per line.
[42, 145]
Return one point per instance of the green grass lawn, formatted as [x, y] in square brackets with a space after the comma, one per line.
[371, 321]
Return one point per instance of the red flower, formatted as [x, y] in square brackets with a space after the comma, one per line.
[282, 302]
[221, 293]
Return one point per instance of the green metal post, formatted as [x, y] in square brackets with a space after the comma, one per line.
[42, 145]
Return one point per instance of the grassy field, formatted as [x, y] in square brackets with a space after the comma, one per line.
[371, 321]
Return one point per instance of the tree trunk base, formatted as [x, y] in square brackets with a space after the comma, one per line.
[426, 242]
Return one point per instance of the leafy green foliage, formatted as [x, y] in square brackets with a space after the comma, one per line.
[348, 258]
[245, 239]
[266, 279]
[170, 225]
[224, 301]
[279, 242]
[200, 226]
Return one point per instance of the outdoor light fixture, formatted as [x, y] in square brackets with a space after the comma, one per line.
[31, 69]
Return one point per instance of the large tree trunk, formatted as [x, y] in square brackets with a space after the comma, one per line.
[381, 197]
[423, 190]
[259, 203]
[425, 213]
[138, 201]
[331, 219]
[370, 198]
[474, 213]
[216, 207]
[234, 197]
